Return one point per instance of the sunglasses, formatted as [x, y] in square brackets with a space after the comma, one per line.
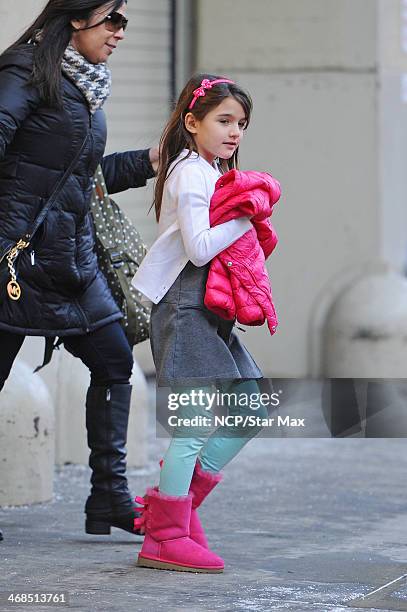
[113, 22]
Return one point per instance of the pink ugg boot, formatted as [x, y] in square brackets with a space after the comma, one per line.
[167, 544]
[202, 484]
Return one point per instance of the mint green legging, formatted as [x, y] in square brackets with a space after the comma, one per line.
[214, 447]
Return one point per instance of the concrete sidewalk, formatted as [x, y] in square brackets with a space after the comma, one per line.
[303, 524]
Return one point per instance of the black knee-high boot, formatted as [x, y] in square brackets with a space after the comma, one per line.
[109, 503]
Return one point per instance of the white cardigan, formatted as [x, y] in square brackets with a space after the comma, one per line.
[184, 232]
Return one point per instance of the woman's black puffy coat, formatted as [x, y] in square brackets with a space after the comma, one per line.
[63, 290]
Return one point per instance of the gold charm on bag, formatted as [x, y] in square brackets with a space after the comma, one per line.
[13, 288]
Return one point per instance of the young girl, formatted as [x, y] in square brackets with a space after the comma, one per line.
[193, 348]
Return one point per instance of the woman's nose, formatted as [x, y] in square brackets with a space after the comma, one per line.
[119, 35]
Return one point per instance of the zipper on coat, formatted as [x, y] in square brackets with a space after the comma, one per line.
[83, 317]
[261, 288]
[32, 255]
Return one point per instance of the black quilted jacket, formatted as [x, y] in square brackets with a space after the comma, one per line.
[63, 291]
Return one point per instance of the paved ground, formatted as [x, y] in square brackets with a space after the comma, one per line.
[303, 524]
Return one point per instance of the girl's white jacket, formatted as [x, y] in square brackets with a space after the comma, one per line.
[184, 233]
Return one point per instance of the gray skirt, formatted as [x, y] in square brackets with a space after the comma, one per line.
[190, 344]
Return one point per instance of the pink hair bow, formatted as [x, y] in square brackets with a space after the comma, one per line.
[206, 84]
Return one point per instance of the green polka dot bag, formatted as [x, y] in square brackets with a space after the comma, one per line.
[120, 250]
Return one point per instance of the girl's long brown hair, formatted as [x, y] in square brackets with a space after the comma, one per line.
[176, 137]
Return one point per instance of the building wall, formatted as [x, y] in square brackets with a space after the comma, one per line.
[16, 21]
[392, 126]
[140, 100]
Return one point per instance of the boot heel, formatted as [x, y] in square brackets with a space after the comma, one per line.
[97, 527]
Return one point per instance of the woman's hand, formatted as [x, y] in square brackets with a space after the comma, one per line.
[154, 155]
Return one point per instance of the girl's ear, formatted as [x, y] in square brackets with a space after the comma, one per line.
[191, 123]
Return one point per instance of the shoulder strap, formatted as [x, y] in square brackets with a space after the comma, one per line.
[56, 192]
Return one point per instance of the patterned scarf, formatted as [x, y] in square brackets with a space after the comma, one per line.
[93, 80]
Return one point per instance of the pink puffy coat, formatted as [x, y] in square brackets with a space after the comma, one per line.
[238, 285]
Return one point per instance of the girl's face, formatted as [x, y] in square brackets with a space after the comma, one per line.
[97, 43]
[220, 131]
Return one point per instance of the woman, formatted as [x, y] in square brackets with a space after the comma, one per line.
[53, 83]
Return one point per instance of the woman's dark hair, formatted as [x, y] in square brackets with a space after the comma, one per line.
[176, 137]
[56, 31]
